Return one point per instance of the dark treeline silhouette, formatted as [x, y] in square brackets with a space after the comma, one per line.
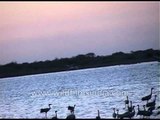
[81, 61]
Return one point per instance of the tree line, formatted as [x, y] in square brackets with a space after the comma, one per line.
[81, 61]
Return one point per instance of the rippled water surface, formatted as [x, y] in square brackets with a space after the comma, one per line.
[90, 89]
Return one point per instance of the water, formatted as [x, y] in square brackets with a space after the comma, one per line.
[90, 89]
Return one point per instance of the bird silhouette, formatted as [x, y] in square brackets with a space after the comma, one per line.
[148, 97]
[126, 102]
[126, 114]
[120, 116]
[131, 114]
[151, 108]
[98, 117]
[140, 112]
[114, 114]
[130, 108]
[55, 117]
[71, 108]
[153, 103]
[45, 110]
[147, 113]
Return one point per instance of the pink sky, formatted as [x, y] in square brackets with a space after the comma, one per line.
[35, 31]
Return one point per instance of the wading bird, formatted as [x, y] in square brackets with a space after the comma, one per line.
[126, 102]
[98, 117]
[55, 117]
[45, 110]
[148, 97]
[127, 114]
[114, 114]
[140, 112]
[147, 113]
[153, 103]
[151, 108]
[119, 116]
[130, 108]
[71, 108]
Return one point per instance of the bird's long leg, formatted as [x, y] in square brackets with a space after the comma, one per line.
[125, 106]
[46, 115]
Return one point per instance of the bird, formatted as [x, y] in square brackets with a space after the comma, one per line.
[45, 110]
[147, 113]
[153, 103]
[98, 117]
[151, 108]
[71, 116]
[130, 108]
[131, 114]
[144, 107]
[140, 112]
[120, 116]
[71, 108]
[126, 114]
[114, 114]
[55, 117]
[148, 97]
[126, 101]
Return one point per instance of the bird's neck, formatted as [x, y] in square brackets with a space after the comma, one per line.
[114, 111]
[155, 99]
[131, 104]
[151, 91]
[117, 112]
[133, 109]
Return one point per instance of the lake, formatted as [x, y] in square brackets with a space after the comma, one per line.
[90, 90]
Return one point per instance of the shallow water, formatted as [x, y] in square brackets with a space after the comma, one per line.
[90, 89]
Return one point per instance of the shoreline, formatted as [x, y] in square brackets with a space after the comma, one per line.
[133, 63]
[81, 61]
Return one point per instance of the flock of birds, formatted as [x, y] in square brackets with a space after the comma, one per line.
[130, 109]
[70, 116]
[130, 113]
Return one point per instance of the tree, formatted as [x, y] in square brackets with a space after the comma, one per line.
[90, 55]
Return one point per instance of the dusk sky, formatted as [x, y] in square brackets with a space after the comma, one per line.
[39, 31]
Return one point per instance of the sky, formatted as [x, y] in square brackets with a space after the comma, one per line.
[39, 31]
